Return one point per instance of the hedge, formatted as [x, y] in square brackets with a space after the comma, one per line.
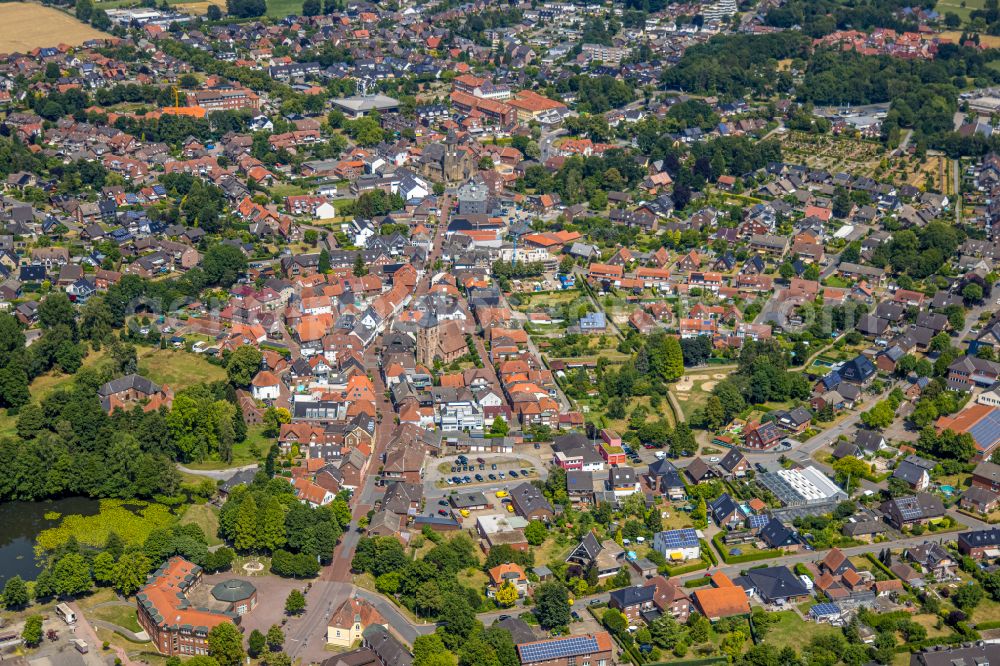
[698, 582]
[746, 557]
[704, 661]
[983, 626]
[697, 565]
[801, 570]
[705, 549]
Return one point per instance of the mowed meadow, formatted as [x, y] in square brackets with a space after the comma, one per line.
[25, 26]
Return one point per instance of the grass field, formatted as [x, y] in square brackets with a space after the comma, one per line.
[791, 630]
[960, 7]
[177, 369]
[990, 41]
[123, 616]
[44, 385]
[27, 26]
[282, 8]
[206, 517]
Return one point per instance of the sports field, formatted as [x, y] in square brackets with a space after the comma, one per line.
[25, 26]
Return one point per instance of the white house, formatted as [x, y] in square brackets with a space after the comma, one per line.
[326, 211]
[678, 545]
[265, 386]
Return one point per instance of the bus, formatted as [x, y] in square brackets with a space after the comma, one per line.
[66, 613]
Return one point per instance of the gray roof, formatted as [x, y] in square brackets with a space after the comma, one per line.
[233, 590]
[773, 583]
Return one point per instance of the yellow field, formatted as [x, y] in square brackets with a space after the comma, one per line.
[201, 7]
[25, 26]
[990, 41]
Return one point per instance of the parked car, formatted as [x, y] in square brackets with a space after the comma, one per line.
[442, 502]
[493, 466]
[442, 512]
[479, 478]
[524, 472]
[513, 474]
[493, 477]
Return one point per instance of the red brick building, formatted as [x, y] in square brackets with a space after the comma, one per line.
[174, 625]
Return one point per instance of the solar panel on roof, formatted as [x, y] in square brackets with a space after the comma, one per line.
[759, 521]
[987, 430]
[910, 513]
[563, 647]
[825, 609]
[679, 538]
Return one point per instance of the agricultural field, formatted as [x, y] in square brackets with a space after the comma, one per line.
[833, 153]
[961, 7]
[27, 26]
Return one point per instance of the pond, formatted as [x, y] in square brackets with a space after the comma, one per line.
[20, 523]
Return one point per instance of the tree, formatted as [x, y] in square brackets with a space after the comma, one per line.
[972, 293]
[245, 537]
[275, 638]
[324, 261]
[853, 468]
[360, 269]
[246, 9]
[499, 427]
[427, 649]
[535, 532]
[615, 622]
[880, 416]
[15, 594]
[71, 575]
[32, 632]
[506, 595]
[225, 643]
[256, 642]
[223, 264]
[295, 603]
[552, 605]
[312, 8]
[130, 572]
[242, 365]
[967, 597]
[57, 310]
[213, 13]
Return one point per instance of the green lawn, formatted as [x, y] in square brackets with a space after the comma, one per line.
[123, 616]
[792, 630]
[282, 8]
[961, 7]
[206, 517]
[987, 611]
[177, 369]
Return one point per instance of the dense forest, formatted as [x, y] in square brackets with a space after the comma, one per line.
[821, 17]
[735, 65]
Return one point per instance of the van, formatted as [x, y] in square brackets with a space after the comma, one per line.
[81, 646]
[66, 613]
